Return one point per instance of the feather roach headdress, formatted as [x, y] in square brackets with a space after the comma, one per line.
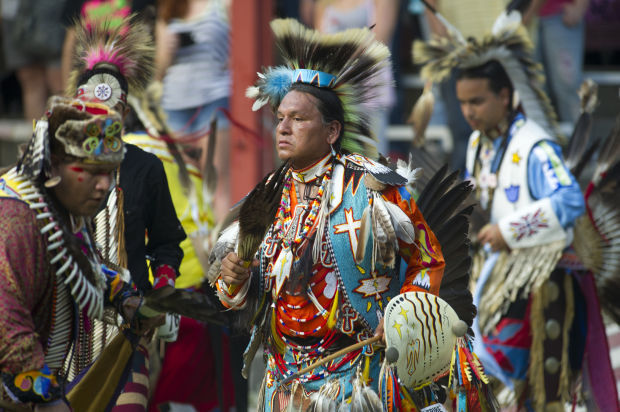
[509, 46]
[111, 60]
[346, 63]
[88, 131]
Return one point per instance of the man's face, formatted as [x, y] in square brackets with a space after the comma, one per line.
[482, 108]
[301, 135]
[83, 187]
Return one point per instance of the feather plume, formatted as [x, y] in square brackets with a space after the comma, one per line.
[579, 140]
[258, 212]
[407, 170]
[127, 48]
[421, 114]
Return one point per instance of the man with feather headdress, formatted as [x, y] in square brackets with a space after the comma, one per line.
[529, 306]
[51, 274]
[333, 231]
[138, 229]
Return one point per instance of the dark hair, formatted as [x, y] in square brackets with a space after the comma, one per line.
[328, 103]
[492, 71]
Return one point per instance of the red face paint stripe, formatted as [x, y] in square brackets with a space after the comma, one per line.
[76, 169]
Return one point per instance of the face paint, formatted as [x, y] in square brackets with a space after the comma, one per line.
[77, 169]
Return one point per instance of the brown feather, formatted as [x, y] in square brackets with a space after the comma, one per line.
[421, 115]
[258, 212]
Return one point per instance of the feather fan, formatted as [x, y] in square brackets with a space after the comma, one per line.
[258, 212]
[205, 307]
[579, 140]
[441, 204]
[597, 234]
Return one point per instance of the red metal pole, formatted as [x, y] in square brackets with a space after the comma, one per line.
[251, 49]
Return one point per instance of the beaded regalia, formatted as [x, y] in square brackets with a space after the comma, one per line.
[329, 268]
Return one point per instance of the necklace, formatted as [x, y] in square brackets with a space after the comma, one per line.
[291, 237]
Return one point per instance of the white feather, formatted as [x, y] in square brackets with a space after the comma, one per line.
[506, 23]
[407, 170]
[226, 243]
[402, 224]
[259, 103]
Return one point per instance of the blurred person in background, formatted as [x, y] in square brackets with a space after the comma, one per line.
[138, 229]
[560, 48]
[196, 369]
[473, 18]
[192, 60]
[332, 16]
[32, 38]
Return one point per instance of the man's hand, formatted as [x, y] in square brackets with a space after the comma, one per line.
[140, 324]
[233, 271]
[380, 331]
[491, 234]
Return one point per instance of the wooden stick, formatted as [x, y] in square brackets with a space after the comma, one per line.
[331, 357]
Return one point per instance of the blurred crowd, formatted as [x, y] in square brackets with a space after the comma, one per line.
[36, 53]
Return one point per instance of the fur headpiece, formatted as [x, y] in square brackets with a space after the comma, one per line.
[346, 62]
[506, 44]
[86, 130]
[111, 60]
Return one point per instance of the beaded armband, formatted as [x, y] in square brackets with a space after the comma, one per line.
[165, 275]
